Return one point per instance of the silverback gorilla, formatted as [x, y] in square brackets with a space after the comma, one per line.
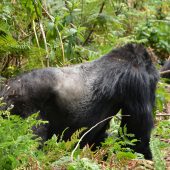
[85, 94]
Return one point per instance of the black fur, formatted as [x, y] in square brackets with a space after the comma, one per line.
[82, 95]
[166, 67]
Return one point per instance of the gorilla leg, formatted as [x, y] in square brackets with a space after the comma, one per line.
[140, 125]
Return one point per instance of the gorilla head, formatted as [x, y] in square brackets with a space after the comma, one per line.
[85, 94]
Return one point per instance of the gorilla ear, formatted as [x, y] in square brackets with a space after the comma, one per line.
[132, 47]
[136, 48]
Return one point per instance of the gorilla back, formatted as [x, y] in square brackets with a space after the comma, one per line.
[83, 95]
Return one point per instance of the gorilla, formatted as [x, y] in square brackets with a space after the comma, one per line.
[166, 67]
[83, 95]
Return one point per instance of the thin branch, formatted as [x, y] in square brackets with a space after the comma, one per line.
[72, 153]
[28, 35]
[94, 25]
[42, 32]
[163, 114]
[164, 72]
[45, 42]
[48, 15]
[60, 38]
[36, 37]
[35, 33]
[62, 45]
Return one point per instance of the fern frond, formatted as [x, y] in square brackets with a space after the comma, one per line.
[74, 138]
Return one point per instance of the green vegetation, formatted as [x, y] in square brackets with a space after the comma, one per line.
[157, 146]
[35, 34]
[20, 148]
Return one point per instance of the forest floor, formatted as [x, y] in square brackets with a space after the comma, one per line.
[167, 151]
